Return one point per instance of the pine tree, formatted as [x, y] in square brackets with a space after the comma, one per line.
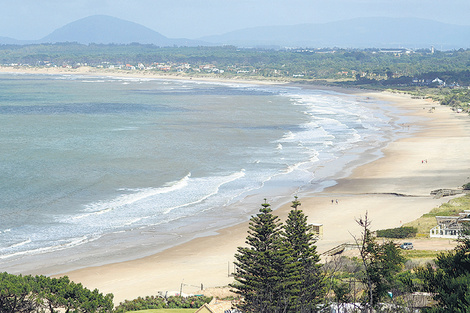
[304, 277]
[260, 266]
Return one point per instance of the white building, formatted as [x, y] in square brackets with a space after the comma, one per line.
[449, 226]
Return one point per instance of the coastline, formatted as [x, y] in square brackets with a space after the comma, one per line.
[442, 139]
[370, 188]
[90, 71]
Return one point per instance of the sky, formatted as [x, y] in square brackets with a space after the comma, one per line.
[35, 19]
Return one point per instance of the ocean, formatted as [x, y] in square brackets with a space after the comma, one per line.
[97, 170]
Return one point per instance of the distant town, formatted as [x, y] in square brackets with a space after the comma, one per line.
[422, 72]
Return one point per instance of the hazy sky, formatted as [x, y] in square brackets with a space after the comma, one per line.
[34, 19]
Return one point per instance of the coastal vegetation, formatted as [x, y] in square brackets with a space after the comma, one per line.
[278, 274]
[381, 263]
[158, 303]
[279, 270]
[360, 67]
[44, 294]
[399, 232]
[449, 279]
[378, 278]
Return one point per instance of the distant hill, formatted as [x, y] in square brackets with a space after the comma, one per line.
[102, 29]
[373, 32]
[11, 41]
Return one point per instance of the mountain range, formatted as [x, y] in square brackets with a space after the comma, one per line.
[371, 32]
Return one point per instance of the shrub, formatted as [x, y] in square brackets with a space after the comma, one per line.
[400, 232]
[466, 186]
[172, 302]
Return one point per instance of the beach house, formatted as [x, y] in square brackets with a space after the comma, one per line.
[449, 226]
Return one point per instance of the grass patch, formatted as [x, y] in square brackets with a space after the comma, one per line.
[423, 224]
[420, 254]
[166, 311]
[428, 220]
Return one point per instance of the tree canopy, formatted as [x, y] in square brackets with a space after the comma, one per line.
[307, 287]
[450, 279]
[278, 270]
[43, 294]
[260, 265]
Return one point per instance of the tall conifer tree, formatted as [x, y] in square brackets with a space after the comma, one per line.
[260, 266]
[305, 280]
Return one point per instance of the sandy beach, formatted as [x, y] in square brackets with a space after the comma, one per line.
[142, 74]
[443, 140]
[394, 189]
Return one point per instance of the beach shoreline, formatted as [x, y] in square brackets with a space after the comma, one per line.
[439, 136]
[371, 188]
[139, 74]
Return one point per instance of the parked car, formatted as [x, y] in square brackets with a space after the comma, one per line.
[406, 246]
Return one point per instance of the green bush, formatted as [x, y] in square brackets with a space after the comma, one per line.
[173, 302]
[43, 294]
[466, 186]
[400, 232]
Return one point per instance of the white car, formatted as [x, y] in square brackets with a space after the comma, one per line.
[406, 246]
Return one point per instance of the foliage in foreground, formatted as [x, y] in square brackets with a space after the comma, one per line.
[43, 294]
[279, 269]
[153, 302]
[381, 263]
[420, 254]
[450, 281]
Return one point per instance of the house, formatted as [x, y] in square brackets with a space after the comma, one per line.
[396, 52]
[439, 82]
[449, 226]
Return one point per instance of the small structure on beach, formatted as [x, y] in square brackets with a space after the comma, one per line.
[449, 226]
[317, 230]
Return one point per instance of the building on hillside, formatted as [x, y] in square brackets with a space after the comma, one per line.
[396, 52]
[439, 82]
[449, 226]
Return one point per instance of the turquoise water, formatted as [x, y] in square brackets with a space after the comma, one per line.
[100, 169]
